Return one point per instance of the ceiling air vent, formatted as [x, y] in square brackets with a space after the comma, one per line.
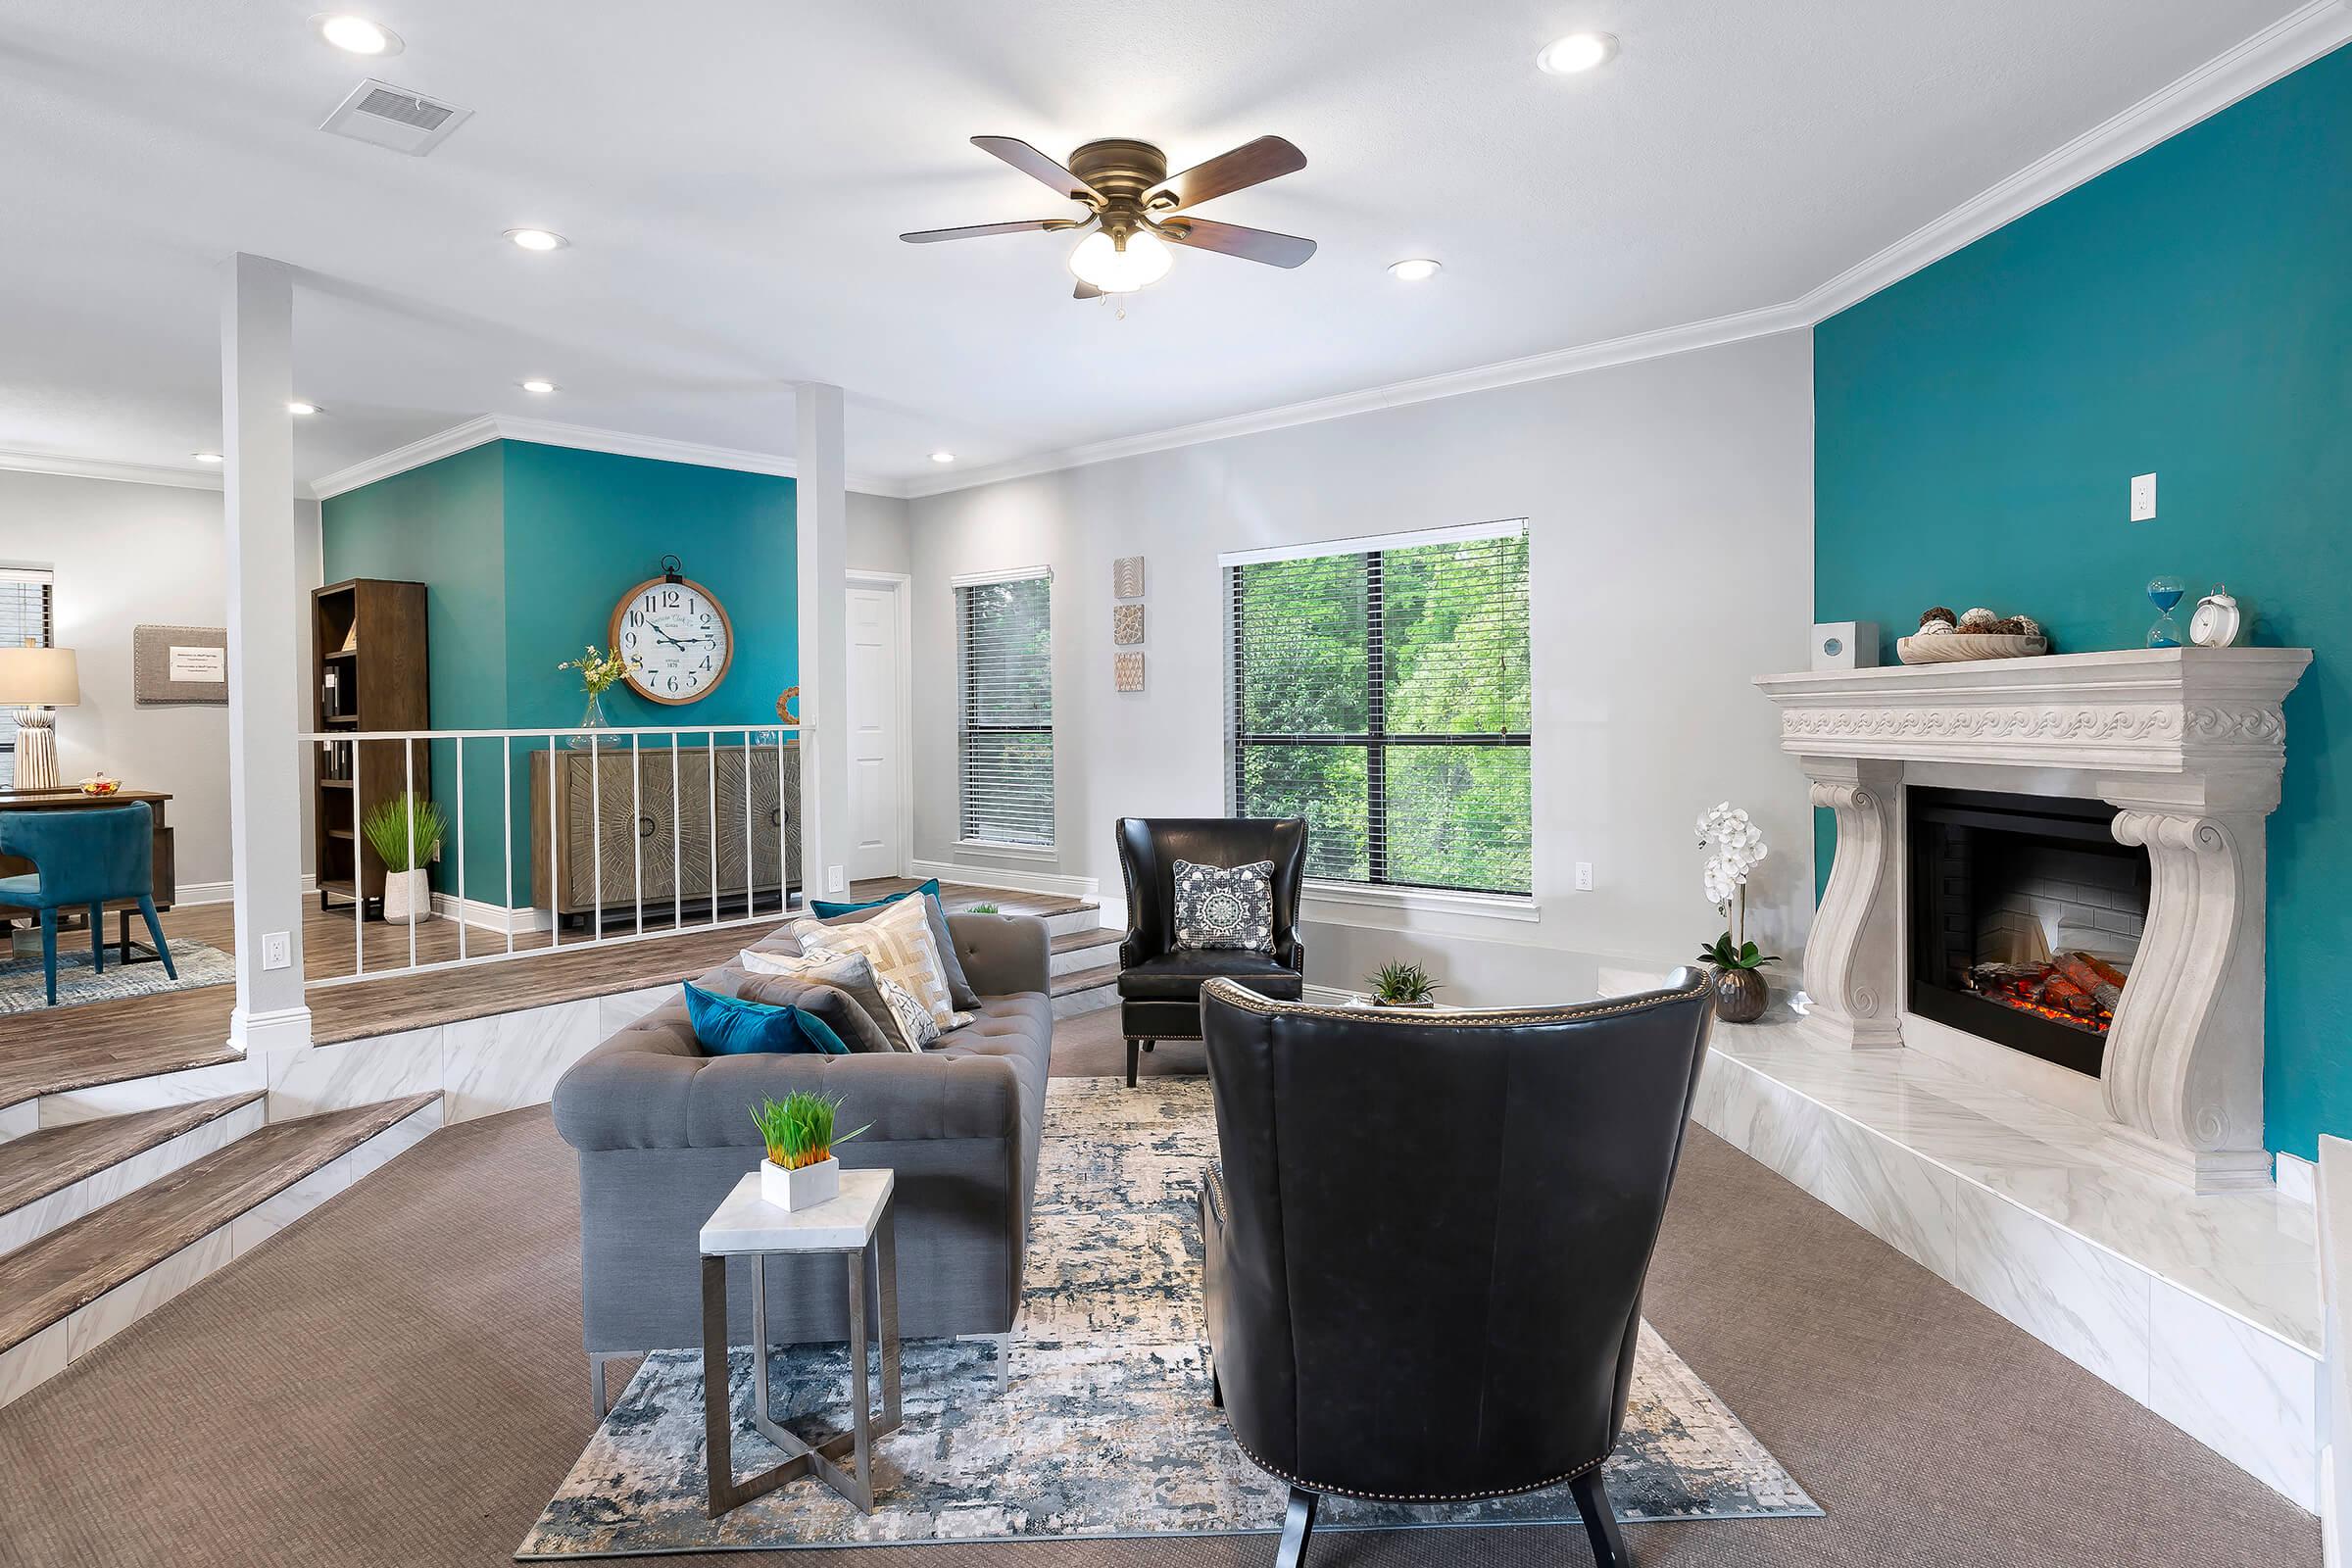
[384, 116]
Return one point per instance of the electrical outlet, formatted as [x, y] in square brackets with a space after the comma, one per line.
[835, 881]
[1583, 876]
[277, 950]
[2143, 497]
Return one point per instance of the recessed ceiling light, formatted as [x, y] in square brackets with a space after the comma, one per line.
[538, 240]
[942, 457]
[206, 456]
[298, 408]
[1578, 51]
[356, 34]
[1414, 270]
[538, 386]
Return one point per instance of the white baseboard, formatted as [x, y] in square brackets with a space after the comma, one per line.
[191, 893]
[2298, 1178]
[1010, 880]
[1327, 994]
[487, 916]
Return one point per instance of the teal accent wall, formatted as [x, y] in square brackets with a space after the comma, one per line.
[2188, 313]
[523, 550]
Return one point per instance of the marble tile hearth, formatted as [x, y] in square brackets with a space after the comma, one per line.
[2204, 1308]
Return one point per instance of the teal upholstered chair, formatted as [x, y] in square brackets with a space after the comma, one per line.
[83, 860]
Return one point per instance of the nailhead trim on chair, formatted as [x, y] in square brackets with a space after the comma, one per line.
[1253, 1002]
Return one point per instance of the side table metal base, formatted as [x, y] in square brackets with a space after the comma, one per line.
[823, 1460]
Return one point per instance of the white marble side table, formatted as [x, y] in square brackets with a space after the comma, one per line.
[857, 1225]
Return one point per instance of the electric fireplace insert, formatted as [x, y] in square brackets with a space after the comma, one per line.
[2025, 918]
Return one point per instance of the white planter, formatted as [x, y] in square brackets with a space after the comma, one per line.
[408, 896]
[805, 1188]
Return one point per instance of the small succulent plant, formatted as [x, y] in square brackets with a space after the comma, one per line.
[983, 909]
[797, 1129]
[1397, 984]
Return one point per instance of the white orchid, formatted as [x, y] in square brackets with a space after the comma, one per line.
[1738, 848]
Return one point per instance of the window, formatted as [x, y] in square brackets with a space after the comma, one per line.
[24, 622]
[1004, 627]
[1380, 690]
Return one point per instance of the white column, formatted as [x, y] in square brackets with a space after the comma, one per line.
[266, 763]
[821, 522]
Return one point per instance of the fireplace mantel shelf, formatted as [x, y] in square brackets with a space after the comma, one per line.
[2188, 743]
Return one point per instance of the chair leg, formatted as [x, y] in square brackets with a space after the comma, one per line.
[49, 951]
[1147, 1045]
[1134, 1054]
[1297, 1525]
[154, 934]
[97, 939]
[1600, 1520]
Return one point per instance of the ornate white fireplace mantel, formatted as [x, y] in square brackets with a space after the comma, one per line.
[2187, 744]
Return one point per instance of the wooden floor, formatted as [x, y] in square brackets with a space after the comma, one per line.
[106, 1042]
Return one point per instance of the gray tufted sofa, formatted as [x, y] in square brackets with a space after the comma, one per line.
[663, 1132]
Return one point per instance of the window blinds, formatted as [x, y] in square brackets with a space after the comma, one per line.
[1383, 693]
[1005, 648]
[25, 617]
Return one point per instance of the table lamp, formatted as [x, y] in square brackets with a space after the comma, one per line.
[39, 680]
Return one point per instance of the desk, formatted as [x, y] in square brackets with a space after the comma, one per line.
[72, 800]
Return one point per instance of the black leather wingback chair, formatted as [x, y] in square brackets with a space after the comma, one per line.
[1160, 983]
[1426, 1240]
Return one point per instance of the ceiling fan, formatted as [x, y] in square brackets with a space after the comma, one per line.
[1133, 207]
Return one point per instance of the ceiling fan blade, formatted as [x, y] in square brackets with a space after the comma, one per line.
[1038, 167]
[1086, 291]
[1251, 163]
[1232, 239]
[932, 237]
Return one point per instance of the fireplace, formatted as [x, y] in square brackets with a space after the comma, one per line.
[2024, 919]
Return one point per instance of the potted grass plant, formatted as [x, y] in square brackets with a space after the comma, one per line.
[1397, 984]
[406, 833]
[800, 1170]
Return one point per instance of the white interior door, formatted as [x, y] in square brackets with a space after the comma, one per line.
[877, 732]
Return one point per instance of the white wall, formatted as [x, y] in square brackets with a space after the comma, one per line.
[1670, 516]
[877, 533]
[132, 555]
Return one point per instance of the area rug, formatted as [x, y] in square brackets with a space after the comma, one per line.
[24, 989]
[1106, 1428]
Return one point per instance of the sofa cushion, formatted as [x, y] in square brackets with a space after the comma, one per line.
[840, 1010]
[1179, 976]
[960, 993]
[898, 939]
[849, 972]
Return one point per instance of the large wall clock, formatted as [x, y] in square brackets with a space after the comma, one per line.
[677, 636]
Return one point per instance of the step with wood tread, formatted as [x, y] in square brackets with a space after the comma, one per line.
[45, 1162]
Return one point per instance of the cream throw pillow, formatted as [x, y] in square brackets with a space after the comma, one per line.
[899, 944]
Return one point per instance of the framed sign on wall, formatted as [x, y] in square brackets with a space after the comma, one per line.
[171, 665]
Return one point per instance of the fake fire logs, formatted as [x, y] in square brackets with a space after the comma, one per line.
[2074, 988]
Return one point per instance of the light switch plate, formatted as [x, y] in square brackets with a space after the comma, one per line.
[2143, 497]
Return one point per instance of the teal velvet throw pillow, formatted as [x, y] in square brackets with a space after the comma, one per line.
[729, 1026]
[827, 912]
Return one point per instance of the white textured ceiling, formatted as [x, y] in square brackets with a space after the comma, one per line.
[734, 173]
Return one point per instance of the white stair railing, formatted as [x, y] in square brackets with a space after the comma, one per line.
[352, 761]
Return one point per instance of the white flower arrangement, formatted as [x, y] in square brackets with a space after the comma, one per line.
[1738, 848]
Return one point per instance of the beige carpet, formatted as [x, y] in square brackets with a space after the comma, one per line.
[397, 1380]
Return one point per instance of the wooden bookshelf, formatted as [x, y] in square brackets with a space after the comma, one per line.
[369, 671]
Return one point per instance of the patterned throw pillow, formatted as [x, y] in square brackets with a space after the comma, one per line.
[898, 940]
[916, 1031]
[1225, 906]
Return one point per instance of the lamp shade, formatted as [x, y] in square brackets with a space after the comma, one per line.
[39, 677]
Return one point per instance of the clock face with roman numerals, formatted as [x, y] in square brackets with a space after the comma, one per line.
[677, 638]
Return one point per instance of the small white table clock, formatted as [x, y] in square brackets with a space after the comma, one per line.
[1845, 644]
[2217, 621]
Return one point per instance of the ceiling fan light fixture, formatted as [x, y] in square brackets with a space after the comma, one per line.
[1102, 260]
[1414, 270]
[1577, 52]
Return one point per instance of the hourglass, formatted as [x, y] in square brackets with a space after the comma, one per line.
[2164, 593]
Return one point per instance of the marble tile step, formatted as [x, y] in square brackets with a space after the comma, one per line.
[54, 1159]
[44, 1283]
[1074, 951]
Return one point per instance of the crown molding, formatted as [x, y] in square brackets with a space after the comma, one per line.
[103, 469]
[580, 438]
[2294, 41]
[2288, 45]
